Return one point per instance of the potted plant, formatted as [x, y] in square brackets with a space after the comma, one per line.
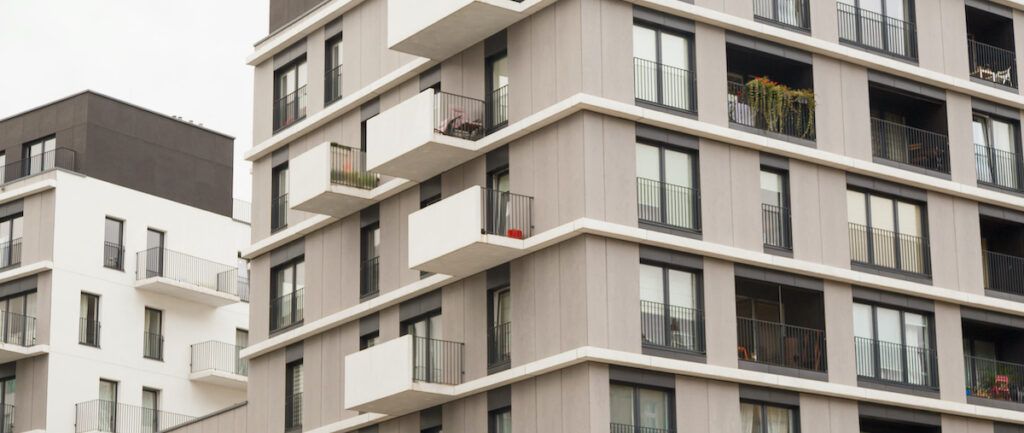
[777, 105]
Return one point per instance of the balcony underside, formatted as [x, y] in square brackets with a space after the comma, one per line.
[13, 352]
[186, 291]
[439, 29]
[418, 397]
[485, 253]
[340, 201]
[220, 378]
[425, 160]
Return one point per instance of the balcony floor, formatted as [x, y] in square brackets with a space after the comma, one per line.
[186, 291]
[340, 201]
[14, 352]
[220, 378]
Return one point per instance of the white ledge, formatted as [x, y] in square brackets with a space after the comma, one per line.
[298, 29]
[26, 270]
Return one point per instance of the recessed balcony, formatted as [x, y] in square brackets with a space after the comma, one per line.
[908, 130]
[990, 47]
[186, 277]
[403, 375]
[439, 29]
[218, 363]
[18, 337]
[331, 179]
[470, 231]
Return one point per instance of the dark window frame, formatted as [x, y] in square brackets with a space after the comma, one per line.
[293, 65]
[92, 339]
[691, 40]
[694, 155]
[116, 248]
[279, 181]
[159, 314]
[275, 293]
[671, 404]
[896, 200]
[764, 405]
[332, 95]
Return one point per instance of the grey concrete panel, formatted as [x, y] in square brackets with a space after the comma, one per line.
[720, 312]
[842, 366]
[963, 167]
[709, 44]
[949, 345]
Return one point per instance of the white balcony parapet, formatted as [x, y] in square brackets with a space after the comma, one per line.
[330, 179]
[186, 277]
[218, 363]
[403, 375]
[438, 29]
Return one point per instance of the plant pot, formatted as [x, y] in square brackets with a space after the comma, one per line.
[514, 233]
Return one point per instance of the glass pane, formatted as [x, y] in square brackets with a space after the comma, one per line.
[682, 288]
[856, 212]
[750, 418]
[302, 76]
[654, 409]
[112, 231]
[300, 276]
[678, 168]
[644, 43]
[504, 307]
[863, 325]
[622, 405]
[779, 419]
[652, 286]
[771, 188]
[499, 73]
[890, 341]
[675, 51]
[648, 164]
[882, 213]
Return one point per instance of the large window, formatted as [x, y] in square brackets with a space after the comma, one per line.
[500, 420]
[369, 256]
[113, 246]
[499, 338]
[279, 198]
[293, 397]
[637, 409]
[107, 406]
[662, 68]
[154, 253]
[996, 152]
[38, 156]
[879, 25]
[894, 345]
[11, 229]
[89, 320]
[497, 91]
[153, 337]
[332, 77]
[8, 390]
[887, 232]
[775, 217]
[667, 192]
[758, 417]
[429, 355]
[290, 93]
[19, 322]
[286, 294]
[669, 308]
[150, 410]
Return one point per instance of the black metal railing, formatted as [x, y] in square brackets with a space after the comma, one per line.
[781, 345]
[153, 345]
[790, 13]
[507, 214]
[114, 417]
[89, 332]
[795, 120]
[348, 167]
[241, 210]
[459, 116]
[499, 345]
[290, 108]
[896, 363]
[10, 253]
[218, 356]
[60, 157]
[672, 327]
[293, 412]
[437, 361]
[497, 109]
[243, 288]
[8, 422]
[909, 145]
[890, 250]
[996, 380]
[664, 85]
[877, 32]
[664, 203]
[17, 329]
[629, 428]
[992, 63]
[776, 223]
[332, 84]
[113, 256]
[1004, 273]
[279, 212]
[998, 168]
[369, 278]
[181, 267]
[286, 310]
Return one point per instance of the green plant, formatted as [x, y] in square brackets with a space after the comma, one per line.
[361, 179]
[777, 104]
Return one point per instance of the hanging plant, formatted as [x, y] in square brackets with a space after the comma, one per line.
[777, 106]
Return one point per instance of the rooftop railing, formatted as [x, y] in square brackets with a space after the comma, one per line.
[507, 214]
[60, 157]
[459, 116]
[998, 168]
[286, 310]
[290, 108]
[17, 329]
[369, 278]
[776, 224]
[794, 118]
[1004, 273]
[499, 345]
[995, 380]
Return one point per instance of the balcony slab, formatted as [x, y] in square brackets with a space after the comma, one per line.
[380, 379]
[220, 378]
[13, 352]
[313, 191]
[186, 291]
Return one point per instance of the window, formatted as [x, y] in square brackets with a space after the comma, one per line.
[428, 348]
[887, 233]
[667, 192]
[290, 93]
[775, 218]
[11, 228]
[894, 345]
[369, 340]
[89, 322]
[150, 410]
[670, 316]
[500, 420]
[286, 291]
[369, 281]
[662, 65]
[279, 198]
[153, 338]
[332, 77]
[113, 248]
[499, 351]
[38, 156]
[154, 253]
[499, 206]
[241, 342]
[766, 418]
[497, 91]
[637, 409]
[880, 25]
[996, 152]
[293, 397]
[107, 406]
[8, 390]
[19, 323]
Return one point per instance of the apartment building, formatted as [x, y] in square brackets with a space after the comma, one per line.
[120, 285]
[641, 216]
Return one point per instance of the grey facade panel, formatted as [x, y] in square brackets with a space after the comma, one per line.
[893, 299]
[987, 6]
[645, 132]
[769, 395]
[774, 161]
[430, 78]
[906, 85]
[663, 20]
[430, 418]
[992, 317]
[280, 156]
[369, 109]
[15, 287]
[290, 54]
[283, 12]
[994, 109]
[369, 216]
[499, 398]
[288, 253]
[430, 188]
[778, 277]
[498, 276]
[671, 257]
[419, 306]
[294, 352]
[334, 28]
[885, 187]
[497, 159]
[900, 415]
[369, 325]
[12, 208]
[769, 48]
[641, 377]
[1000, 213]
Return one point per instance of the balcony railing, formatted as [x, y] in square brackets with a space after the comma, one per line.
[293, 412]
[789, 13]
[908, 145]
[369, 278]
[89, 332]
[279, 212]
[499, 345]
[241, 210]
[286, 310]
[437, 361]
[507, 214]
[672, 327]
[877, 32]
[459, 116]
[332, 84]
[17, 329]
[153, 345]
[996, 380]
[60, 157]
[1004, 273]
[113, 256]
[629, 428]
[218, 356]
[991, 63]
[348, 167]
[181, 267]
[667, 204]
[889, 250]
[10, 253]
[243, 288]
[794, 120]
[776, 223]
[497, 106]
[998, 168]
[664, 85]
[8, 422]
[896, 363]
[114, 417]
[290, 108]
[781, 345]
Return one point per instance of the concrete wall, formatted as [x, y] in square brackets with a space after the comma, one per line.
[231, 420]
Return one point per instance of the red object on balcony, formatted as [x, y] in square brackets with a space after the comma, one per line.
[515, 233]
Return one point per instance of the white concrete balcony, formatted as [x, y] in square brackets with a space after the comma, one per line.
[218, 363]
[331, 179]
[470, 231]
[438, 29]
[186, 277]
[403, 375]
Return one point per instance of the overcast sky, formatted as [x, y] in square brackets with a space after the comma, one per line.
[176, 57]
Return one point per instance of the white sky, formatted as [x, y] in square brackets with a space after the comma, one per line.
[175, 57]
